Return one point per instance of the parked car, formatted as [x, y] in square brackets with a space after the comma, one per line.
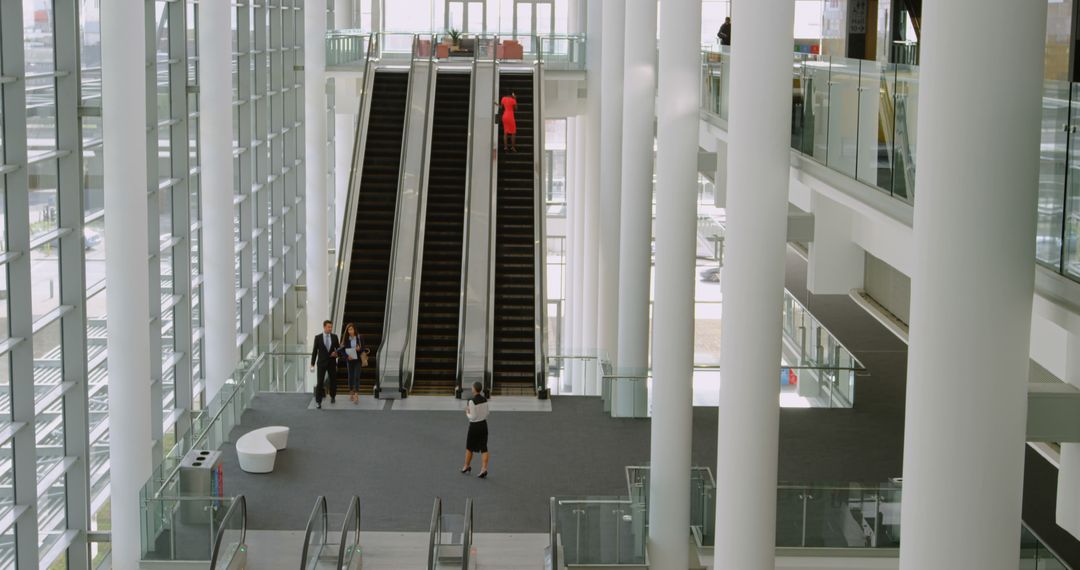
[711, 275]
[91, 238]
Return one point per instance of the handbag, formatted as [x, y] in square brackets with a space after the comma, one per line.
[364, 358]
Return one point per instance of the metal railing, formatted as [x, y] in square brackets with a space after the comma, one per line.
[225, 553]
[349, 552]
[384, 362]
[467, 535]
[406, 362]
[435, 535]
[539, 247]
[315, 533]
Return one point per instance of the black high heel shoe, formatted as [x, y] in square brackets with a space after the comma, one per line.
[482, 475]
[467, 469]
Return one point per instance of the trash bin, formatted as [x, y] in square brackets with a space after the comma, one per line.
[200, 476]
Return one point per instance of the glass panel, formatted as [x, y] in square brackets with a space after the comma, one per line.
[843, 115]
[1071, 265]
[1052, 168]
[5, 326]
[40, 115]
[43, 212]
[5, 390]
[47, 364]
[905, 109]
[94, 243]
[52, 515]
[816, 109]
[876, 90]
[45, 278]
[7, 488]
[93, 173]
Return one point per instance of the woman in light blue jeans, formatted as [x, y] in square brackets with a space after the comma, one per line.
[352, 339]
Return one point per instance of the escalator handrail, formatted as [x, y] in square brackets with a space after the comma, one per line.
[553, 534]
[382, 362]
[316, 511]
[353, 515]
[459, 372]
[489, 325]
[466, 534]
[539, 214]
[421, 185]
[238, 503]
[352, 200]
[435, 533]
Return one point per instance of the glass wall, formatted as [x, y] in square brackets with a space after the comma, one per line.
[54, 437]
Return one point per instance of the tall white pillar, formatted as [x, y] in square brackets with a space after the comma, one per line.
[344, 14]
[344, 127]
[759, 151]
[591, 189]
[344, 137]
[572, 262]
[635, 236]
[318, 296]
[580, 186]
[124, 112]
[673, 338]
[216, 183]
[611, 142]
[972, 283]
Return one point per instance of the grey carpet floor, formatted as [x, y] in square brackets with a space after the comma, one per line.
[397, 462]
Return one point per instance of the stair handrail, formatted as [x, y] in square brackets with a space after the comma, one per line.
[353, 515]
[553, 533]
[459, 367]
[421, 215]
[539, 233]
[493, 182]
[318, 513]
[434, 534]
[382, 362]
[239, 502]
[467, 534]
[352, 201]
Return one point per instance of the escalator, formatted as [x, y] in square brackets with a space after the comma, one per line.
[440, 286]
[369, 269]
[514, 343]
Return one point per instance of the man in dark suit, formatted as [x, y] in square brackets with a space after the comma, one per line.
[324, 352]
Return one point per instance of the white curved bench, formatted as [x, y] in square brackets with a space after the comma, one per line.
[257, 449]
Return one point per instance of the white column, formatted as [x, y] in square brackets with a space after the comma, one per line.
[344, 137]
[611, 142]
[836, 262]
[344, 127]
[972, 284]
[676, 226]
[635, 236]
[580, 174]
[759, 138]
[318, 296]
[591, 188]
[344, 12]
[571, 271]
[124, 112]
[216, 183]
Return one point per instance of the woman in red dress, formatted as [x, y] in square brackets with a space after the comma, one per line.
[509, 103]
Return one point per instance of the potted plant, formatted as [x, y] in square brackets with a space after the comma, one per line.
[455, 39]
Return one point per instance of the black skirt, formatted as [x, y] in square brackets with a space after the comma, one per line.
[476, 441]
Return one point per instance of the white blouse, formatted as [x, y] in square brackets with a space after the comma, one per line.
[477, 409]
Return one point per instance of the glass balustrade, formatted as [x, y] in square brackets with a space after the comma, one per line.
[609, 531]
[860, 118]
[346, 49]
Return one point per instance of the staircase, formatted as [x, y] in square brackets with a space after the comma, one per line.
[515, 257]
[440, 279]
[365, 298]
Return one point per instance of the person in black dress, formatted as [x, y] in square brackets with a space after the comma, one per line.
[476, 442]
